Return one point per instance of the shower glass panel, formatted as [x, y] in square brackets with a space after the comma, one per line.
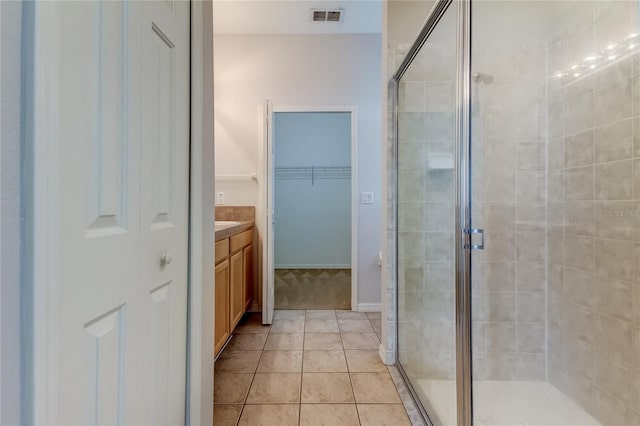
[555, 140]
[426, 202]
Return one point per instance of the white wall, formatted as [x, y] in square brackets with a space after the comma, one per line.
[10, 85]
[301, 70]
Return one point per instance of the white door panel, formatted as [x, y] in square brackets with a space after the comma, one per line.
[120, 314]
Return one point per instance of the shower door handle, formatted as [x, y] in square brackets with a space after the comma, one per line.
[471, 232]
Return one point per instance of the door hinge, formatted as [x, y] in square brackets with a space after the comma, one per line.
[471, 232]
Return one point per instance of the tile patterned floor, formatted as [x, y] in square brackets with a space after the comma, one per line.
[307, 368]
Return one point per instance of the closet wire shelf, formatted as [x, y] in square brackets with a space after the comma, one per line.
[312, 173]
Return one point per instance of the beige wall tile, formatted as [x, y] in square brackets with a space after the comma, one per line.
[500, 337]
[615, 298]
[578, 183]
[578, 252]
[616, 220]
[579, 218]
[614, 181]
[530, 246]
[615, 259]
[578, 286]
[530, 276]
[531, 186]
[614, 102]
[614, 142]
[579, 149]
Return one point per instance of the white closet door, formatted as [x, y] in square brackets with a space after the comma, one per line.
[118, 318]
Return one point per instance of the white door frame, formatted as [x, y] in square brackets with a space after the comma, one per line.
[268, 177]
[42, 235]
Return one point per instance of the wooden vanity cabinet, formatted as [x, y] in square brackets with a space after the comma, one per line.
[234, 283]
[222, 326]
[237, 288]
[247, 260]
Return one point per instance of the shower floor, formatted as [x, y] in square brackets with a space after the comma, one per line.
[507, 403]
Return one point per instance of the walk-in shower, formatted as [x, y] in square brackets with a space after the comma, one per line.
[517, 144]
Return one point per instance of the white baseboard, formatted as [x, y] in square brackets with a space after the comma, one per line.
[369, 307]
[315, 266]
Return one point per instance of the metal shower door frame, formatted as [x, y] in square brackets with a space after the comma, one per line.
[463, 186]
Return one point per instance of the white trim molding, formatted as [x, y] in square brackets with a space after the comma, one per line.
[369, 307]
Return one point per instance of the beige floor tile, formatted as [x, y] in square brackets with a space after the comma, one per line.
[360, 341]
[288, 326]
[355, 326]
[326, 387]
[247, 342]
[324, 314]
[322, 341]
[270, 415]
[284, 342]
[280, 362]
[377, 325]
[226, 415]
[252, 327]
[351, 315]
[374, 315]
[321, 326]
[275, 388]
[364, 361]
[374, 388]
[238, 361]
[328, 415]
[324, 362]
[231, 388]
[289, 314]
[383, 415]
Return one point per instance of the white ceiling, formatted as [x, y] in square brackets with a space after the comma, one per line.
[294, 17]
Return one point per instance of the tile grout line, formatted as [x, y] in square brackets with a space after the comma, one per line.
[344, 353]
[304, 334]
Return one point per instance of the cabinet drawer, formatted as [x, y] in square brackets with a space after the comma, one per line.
[242, 239]
[222, 250]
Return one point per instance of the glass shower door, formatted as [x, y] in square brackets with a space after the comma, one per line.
[426, 221]
[555, 112]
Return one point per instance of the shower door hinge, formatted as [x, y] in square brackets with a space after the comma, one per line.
[471, 232]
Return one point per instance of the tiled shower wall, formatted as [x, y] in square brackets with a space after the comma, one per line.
[594, 213]
[508, 201]
[426, 200]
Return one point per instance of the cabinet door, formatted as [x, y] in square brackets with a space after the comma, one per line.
[237, 289]
[222, 328]
[247, 253]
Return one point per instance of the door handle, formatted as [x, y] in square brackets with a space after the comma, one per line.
[471, 232]
[166, 258]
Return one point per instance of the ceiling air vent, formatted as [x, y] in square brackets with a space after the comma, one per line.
[321, 15]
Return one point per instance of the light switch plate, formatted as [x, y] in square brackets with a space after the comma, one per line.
[220, 198]
[366, 198]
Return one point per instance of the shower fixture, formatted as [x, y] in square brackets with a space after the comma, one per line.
[479, 77]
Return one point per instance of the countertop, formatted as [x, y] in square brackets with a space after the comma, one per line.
[225, 229]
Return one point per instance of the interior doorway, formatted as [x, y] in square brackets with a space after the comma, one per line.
[312, 185]
[312, 188]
